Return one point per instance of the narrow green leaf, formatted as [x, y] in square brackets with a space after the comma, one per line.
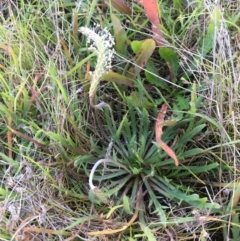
[123, 123]
[5, 237]
[188, 136]
[113, 209]
[235, 230]
[132, 113]
[118, 173]
[57, 137]
[158, 207]
[83, 159]
[126, 204]
[9, 160]
[57, 82]
[79, 65]
[147, 231]
[177, 4]
[196, 169]
[193, 98]
[5, 194]
[208, 40]
[192, 152]
[77, 222]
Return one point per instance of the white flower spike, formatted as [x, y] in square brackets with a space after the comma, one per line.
[102, 42]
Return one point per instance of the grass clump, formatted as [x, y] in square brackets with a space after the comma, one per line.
[160, 162]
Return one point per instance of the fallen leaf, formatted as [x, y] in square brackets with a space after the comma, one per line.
[158, 132]
[151, 10]
[123, 228]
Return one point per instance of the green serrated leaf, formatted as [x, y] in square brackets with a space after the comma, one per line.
[182, 102]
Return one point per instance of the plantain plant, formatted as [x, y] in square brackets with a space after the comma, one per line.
[139, 171]
[143, 167]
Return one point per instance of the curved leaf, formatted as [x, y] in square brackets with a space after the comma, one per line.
[117, 78]
[142, 56]
[151, 9]
[158, 132]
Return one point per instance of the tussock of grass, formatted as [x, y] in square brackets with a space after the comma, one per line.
[51, 138]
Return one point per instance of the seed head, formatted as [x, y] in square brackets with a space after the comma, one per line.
[101, 42]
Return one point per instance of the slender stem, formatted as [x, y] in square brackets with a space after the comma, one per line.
[97, 164]
[91, 12]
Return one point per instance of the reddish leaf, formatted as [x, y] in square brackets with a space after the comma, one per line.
[121, 6]
[151, 9]
[158, 36]
[158, 132]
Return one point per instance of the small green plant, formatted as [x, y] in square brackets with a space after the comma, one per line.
[150, 166]
[141, 171]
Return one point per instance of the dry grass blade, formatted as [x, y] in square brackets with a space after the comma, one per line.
[158, 134]
[123, 228]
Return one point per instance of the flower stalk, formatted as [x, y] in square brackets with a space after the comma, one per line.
[102, 43]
